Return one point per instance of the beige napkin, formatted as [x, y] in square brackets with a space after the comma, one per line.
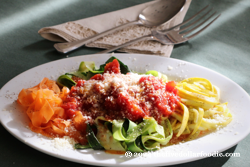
[83, 28]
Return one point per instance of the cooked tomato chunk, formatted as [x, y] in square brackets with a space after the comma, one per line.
[80, 82]
[97, 77]
[170, 87]
[130, 107]
[112, 67]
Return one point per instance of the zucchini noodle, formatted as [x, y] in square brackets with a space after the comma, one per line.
[127, 135]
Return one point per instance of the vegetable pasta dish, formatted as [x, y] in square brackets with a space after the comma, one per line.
[115, 109]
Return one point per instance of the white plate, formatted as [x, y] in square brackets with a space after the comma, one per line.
[239, 103]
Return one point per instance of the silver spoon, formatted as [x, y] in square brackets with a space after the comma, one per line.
[154, 15]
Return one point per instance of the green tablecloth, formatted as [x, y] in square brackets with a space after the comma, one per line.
[224, 47]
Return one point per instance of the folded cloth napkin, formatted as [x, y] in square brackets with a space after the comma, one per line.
[84, 28]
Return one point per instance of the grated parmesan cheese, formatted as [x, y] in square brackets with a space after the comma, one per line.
[64, 143]
[170, 68]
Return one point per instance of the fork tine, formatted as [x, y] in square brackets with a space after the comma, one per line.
[186, 21]
[197, 25]
[191, 18]
[196, 21]
[193, 35]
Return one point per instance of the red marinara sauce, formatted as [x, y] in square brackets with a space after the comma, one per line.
[117, 96]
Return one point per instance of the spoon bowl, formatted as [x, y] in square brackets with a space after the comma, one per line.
[160, 12]
[152, 16]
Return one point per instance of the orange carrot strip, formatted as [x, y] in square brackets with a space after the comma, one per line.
[43, 103]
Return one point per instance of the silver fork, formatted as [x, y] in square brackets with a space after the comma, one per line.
[176, 34]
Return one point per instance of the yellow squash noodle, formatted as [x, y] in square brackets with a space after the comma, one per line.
[202, 110]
